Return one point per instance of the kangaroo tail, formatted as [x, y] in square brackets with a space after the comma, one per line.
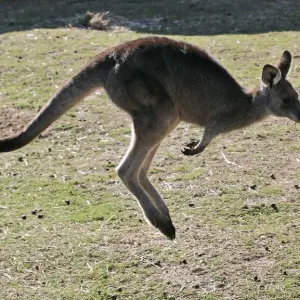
[81, 85]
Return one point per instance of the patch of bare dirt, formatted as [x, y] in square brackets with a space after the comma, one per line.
[107, 21]
[101, 21]
[12, 120]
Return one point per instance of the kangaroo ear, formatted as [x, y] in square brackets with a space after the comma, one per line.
[285, 63]
[270, 75]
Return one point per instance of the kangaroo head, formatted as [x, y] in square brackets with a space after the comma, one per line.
[282, 97]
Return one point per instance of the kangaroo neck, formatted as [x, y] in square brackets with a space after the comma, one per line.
[258, 108]
[252, 109]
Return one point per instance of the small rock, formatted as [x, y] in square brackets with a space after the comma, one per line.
[284, 272]
[119, 289]
[256, 278]
[245, 206]
[183, 262]
[24, 217]
[37, 268]
[158, 264]
[99, 292]
[261, 136]
[196, 286]
[191, 205]
[68, 202]
[253, 187]
[40, 216]
[273, 176]
[20, 158]
[34, 211]
[274, 206]
[296, 186]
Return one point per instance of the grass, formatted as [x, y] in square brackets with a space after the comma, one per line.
[92, 241]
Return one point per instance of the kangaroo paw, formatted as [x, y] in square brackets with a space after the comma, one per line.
[190, 148]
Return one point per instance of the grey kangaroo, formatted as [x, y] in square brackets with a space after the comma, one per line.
[160, 82]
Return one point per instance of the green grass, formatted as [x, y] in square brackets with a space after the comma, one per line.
[231, 242]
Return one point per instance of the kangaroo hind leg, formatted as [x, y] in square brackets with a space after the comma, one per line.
[147, 133]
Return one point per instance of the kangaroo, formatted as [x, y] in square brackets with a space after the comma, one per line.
[161, 82]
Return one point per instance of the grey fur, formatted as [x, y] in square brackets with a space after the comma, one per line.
[160, 82]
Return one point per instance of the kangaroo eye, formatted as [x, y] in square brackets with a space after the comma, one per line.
[286, 100]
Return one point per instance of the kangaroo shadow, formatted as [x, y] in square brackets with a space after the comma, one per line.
[185, 17]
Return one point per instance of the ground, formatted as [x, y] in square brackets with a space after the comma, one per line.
[69, 229]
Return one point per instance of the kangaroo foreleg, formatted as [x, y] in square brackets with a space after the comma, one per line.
[195, 147]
